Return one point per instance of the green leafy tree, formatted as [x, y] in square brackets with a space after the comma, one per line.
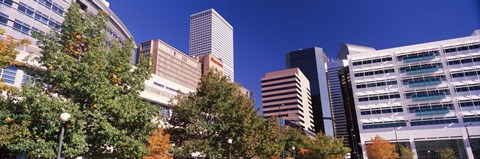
[293, 137]
[322, 146]
[406, 152]
[91, 81]
[447, 153]
[204, 121]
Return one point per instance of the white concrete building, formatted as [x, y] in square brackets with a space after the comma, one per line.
[210, 33]
[425, 96]
[21, 18]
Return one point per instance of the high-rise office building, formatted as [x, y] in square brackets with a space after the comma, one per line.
[210, 33]
[352, 137]
[425, 96]
[286, 93]
[336, 100]
[173, 73]
[312, 62]
[20, 18]
[345, 117]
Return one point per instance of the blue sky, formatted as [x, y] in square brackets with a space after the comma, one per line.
[265, 30]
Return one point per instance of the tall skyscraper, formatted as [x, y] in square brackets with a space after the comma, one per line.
[425, 96]
[336, 100]
[312, 62]
[286, 94]
[352, 137]
[210, 33]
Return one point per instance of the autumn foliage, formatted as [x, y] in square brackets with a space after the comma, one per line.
[159, 145]
[381, 149]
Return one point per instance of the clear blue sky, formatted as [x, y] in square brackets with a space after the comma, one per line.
[265, 30]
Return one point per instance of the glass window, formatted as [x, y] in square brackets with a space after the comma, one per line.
[463, 48]
[450, 50]
[467, 61]
[391, 82]
[471, 73]
[381, 84]
[368, 73]
[387, 59]
[474, 88]
[377, 60]
[474, 46]
[8, 75]
[3, 18]
[367, 62]
[371, 85]
[379, 72]
[7, 2]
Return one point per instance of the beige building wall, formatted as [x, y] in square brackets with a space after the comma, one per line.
[286, 93]
[171, 64]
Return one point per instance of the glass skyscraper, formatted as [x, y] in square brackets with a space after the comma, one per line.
[312, 62]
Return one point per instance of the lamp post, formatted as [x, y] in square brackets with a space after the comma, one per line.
[293, 151]
[230, 142]
[468, 136]
[428, 154]
[63, 118]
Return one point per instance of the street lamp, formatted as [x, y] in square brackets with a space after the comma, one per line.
[63, 118]
[468, 136]
[428, 154]
[230, 142]
[293, 149]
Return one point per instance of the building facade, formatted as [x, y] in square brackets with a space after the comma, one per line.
[336, 99]
[352, 138]
[313, 63]
[173, 73]
[209, 62]
[286, 94]
[210, 33]
[21, 18]
[424, 96]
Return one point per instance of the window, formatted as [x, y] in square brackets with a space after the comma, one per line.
[463, 48]
[8, 74]
[25, 9]
[7, 2]
[22, 27]
[3, 18]
[387, 59]
[477, 46]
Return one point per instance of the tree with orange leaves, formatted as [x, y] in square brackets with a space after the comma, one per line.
[381, 149]
[159, 145]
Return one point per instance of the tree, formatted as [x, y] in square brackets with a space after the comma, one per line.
[8, 54]
[93, 82]
[447, 153]
[381, 149]
[322, 146]
[406, 152]
[204, 121]
[159, 145]
[293, 137]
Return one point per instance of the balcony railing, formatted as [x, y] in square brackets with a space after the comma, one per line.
[425, 112]
[425, 97]
[422, 70]
[421, 83]
[418, 58]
